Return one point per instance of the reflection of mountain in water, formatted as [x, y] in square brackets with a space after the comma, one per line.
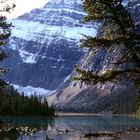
[41, 123]
[80, 123]
[75, 125]
[95, 123]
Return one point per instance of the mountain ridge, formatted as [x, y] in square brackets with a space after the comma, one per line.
[44, 44]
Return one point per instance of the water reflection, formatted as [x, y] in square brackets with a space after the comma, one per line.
[41, 135]
[42, 123]
[95, 123]
[73, 127]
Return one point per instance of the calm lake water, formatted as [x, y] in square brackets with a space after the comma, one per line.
[76, 125]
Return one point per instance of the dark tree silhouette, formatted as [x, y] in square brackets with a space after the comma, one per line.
[118, 29]
[5, 32]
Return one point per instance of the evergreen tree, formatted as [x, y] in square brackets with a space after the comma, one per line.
[14, 104]
[11, 102]
[5, 32]
[118, 29]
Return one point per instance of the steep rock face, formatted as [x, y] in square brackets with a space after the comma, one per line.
[101, 98]
[44, 44]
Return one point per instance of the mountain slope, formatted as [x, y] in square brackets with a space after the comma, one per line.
[44, 44]
[101, 98]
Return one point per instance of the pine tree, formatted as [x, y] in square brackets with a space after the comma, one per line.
[118, 29]
[5, 32]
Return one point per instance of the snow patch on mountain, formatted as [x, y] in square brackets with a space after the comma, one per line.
[27, 57]
[46, 42]
[28, 30]
[29, 90]
[66, 10]
[67, 78]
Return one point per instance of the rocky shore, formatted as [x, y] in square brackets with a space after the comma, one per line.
[118, 135]
[12, 132]
[128, 134]
[22, 132]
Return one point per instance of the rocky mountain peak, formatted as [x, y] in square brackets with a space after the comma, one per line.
[44, 44]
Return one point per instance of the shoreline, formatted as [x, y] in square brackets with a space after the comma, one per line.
[66, 133]
[93, 114]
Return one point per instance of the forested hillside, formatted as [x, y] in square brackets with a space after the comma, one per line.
[14, 104]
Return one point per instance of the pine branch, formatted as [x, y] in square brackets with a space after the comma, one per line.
[2, 83]
[3, 71]
[97, 42]
[5, 32]
[6, 7]
[2, 55]
[109, 75]
[113, 10]
[119, 31]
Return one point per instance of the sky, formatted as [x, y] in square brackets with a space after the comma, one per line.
[24, 6]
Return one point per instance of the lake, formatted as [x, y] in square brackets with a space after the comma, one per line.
[73, 127]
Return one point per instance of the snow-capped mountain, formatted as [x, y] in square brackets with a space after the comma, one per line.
[28, 90]
[44, 44]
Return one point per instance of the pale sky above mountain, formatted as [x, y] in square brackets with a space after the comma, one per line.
[24, 6]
